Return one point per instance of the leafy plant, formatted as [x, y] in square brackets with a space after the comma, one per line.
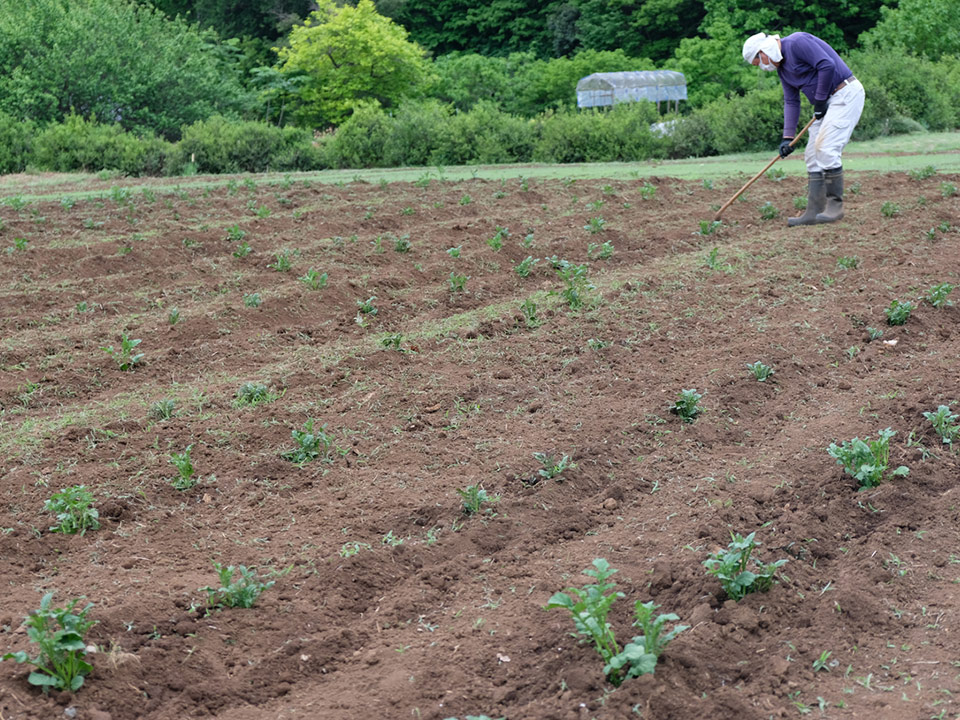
[174, 316]
[473, 498]
[457, 282]
[595, 225]
[937, 295]
[760, 371]
[889, 209]
[59, 635]
[465, 200]
[314, 280]
[948, 189]
[402, 244]
[600, 252]
[241, 592]
[642, 653]
[529, 310]
[552, 465]
[800, 203]
[525, 266]
[648, 191]
[126, 357]
[496, 242]
[769, 211]
[392, 341]
[822, 662]
[922, 173]
[72, 507]
[252, 394]
[712, 260]
[163, 409]
[730, 568]
[311, 444]
[945, 423]
[181, 461]
[281, 261]
[848, 262]
[874, 333]
[243, 249]
[235, 234]
[777, 174]
[866, 460]
[708, 227]
[899, 312]
[252, 300]
[687, 406]
[366, 306]
[349, 549]
[577, 283]
[454, 252]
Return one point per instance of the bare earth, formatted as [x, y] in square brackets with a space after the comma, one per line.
[450, 622]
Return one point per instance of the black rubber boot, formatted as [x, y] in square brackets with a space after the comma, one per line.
[816, 201]
[833, 180]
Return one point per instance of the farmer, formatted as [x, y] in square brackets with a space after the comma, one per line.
[805, 63]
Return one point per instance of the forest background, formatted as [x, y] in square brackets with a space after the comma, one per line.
[176, 87]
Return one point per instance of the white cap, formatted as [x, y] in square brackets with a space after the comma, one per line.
[752, 46]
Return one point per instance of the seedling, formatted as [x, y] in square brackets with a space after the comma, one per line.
[126, 357]
[707, 184]
[59, 635]
[181, 461]
[72, 507]
[822, 662]
[349, 549]
[874, 333]
[945, 423]
[648, 191]
[889, 209]
[899, 312]
[712, 260]
[252, 300]
[848, 263]
[922, 173]
[708, 227]
[948, 189]
[252, 394]
[777, 174]
[366, 306]
[466, 200]
[576, 281]
[243, 249]
[687, 406]
[163, 409]
[525, 266]
[866, 460]
[937, 295]
[595, 225]
[730, 568]
[235, 234]
[760, 371]
[311, 444]
[454, 252]
[314, 280]
[473, 498]
[529, 310]
[392, 341]
[552, 465]
[800, 203]
[402, 244]
[240, 593]
[597, 345]
[281, 261]
[768, 211]
[457, 282]
[19, 244]
[653, 641]
[496, 242]
[174, 316]
[600, 252]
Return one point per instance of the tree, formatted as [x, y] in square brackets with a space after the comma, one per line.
[927, 28]
[642, 28]
[112, 61]
[350, 55]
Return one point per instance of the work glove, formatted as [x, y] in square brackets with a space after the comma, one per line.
[785, 147]
[819, 109]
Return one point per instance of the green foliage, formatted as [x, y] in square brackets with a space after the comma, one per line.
[552, 466]
[311, 444]
[922, 173]
[473, 497]
[174, 316]
[576, 283]
[760, 371]
[709, 227]
[402, 244]
[730, 568]
[601, 251]
[769, 211]
[621, 133]
[528, 309]
[457, 282]
[314, 280]
[181, 461]
[58, 634]
[641, 654]
[163, 409]
[937, 295]
[945, 423]
[525, 266]
[349, 54]
[366, 306]
[687, 407]
[889, 209]
[595, 225]
[484, 135]
[252, 300]
[928, 28]
[496, 242]
[281, 261]
[125, 357]
[72, 507]
[16, 143]
[948, 189]
[866, 460]
[251, 394]
[392, 341]
[848, 262]
[79, 144]
[899, 312]
[241, 592]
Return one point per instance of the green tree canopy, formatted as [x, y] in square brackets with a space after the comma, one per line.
[641, 28]
[351, 55]
[113, 61]
[927, 28]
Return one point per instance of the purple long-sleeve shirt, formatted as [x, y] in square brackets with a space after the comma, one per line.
[809, 66]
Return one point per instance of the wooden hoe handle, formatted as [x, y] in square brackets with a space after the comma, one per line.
[752, 180]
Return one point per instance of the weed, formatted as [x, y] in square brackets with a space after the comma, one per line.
[648, 191]
[525, 266]
[473, 498]
[407, 211]
[800, 203]
[889, 209]
[600, 252]
[866, 460]
[391, 539]
[760, 371]
[253, 300]
[59, 635]
[730, 568]
[529, 310]
[243, 249]
[822, 662]
[126, 357]
[595, 225]
[242, 592]
[457, 282]
[768, 211]
[402, 244]
[948, 189]
[687, 406]
[466, 200]
[597, 345]
[848, 262]
[73, 509]
[937, 295]
[251, 394]
[174, 316]
[181, 461]
[708, 227]
[899, 312]
[366, 307]
[944, 423]
[553, 466]
[922, 173]
[496, 242]
[235, 234]
[163, 409]
[67, 203]
[314, 280]
[310, 444]
[281, 261]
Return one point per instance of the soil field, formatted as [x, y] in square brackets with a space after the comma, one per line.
[389, 600]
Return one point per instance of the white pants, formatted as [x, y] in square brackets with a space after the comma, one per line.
[830, 135]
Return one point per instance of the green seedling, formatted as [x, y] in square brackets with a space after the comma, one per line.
[391, 539]
[349, 549]
[496, 242]
[687, 407]
[800, 203]
[595, 225]
[252, 394]
[59, 636]
[822, 662]
[553, 466]
[641, 654]
[760, 371]
[529, 310]
[525, 266]
[454, 252]
[253, 300]
[730, 568]
[314, 280]
[174, 316]
[576, 281]
[263, 212]
[281, 261]
[163, 409]
[466, 200]
[235, 234]
[72, 507]
[181, 461]
[937, 295]
[922, 173]
[707, 184]
[597, 345]
[899, 312]
[457, 282]
[19, 245]
[311, 444]
[392, 341]
[473, 498]
[366, 306]
[712, 260]
[708, 227]
[848, 262]
[944, 423]
[240, 593]
[874, 333]
[866, 460]
[769, 211]
[243, 249]
[67, 203]
[889, 209]
[126, 357]
[648, 191]
[602, 251]
[948, 189]
[402, 244]
[777, 174]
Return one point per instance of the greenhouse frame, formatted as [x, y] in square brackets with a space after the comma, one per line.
[607, 89]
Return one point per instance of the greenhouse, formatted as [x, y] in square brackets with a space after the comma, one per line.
[606, 89]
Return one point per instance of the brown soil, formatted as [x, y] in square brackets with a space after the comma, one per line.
[451, 622]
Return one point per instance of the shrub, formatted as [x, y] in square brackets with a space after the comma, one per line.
[361, 141]
[16, 143]
[78, 144]
[620, 133]
[484, 135]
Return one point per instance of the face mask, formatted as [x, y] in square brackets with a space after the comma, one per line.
[768, 66]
